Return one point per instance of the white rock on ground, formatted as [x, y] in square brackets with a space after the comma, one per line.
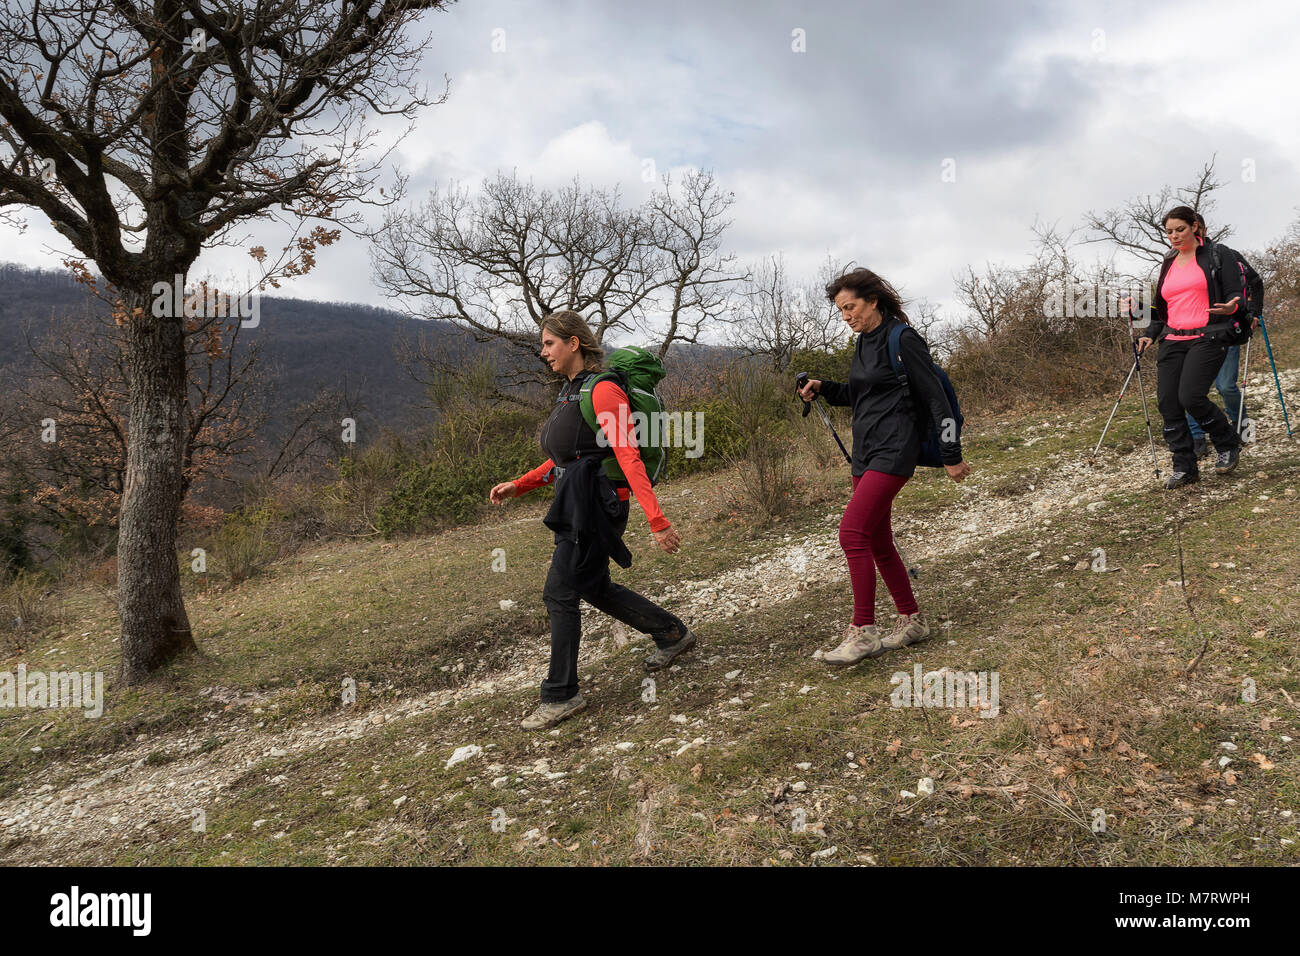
[461, 754]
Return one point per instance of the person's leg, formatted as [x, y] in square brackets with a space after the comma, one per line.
[1169, 371]
[633, 609]
[1226, 385]
[1194, 428]
[1202, 364]
[863, 514]
[883, 550]
[561, 601]
[873, 491]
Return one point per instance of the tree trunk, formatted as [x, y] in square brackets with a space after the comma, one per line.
[155, 627]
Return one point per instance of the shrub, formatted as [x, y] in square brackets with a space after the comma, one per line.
[242, 547]
[468, 455]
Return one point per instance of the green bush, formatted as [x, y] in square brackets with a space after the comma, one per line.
[467, 456]
[243, 546]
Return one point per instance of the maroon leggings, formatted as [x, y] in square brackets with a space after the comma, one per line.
[868, 543]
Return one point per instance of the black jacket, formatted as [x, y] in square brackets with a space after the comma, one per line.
[587, 509]
[1234, 277]
[886, 434]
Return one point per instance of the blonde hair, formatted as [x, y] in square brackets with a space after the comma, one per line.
[567, 324]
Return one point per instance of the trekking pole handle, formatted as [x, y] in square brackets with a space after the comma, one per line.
[800, 381]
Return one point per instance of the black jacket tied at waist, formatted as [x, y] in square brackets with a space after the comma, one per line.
[586, 508]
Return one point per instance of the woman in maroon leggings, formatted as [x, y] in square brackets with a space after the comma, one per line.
[886, 444]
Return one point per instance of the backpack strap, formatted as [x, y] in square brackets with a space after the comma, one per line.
[893, 347]
[585, 402]
[1218, 268]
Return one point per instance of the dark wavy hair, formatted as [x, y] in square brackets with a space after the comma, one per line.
[866, 285]
[1186, 213]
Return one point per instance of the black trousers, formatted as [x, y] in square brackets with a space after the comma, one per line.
[1184, 373]
[561, 600]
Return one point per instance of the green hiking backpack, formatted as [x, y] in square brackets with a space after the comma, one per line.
[637, 371]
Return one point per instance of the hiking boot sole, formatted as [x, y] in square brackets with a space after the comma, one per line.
[673, 651]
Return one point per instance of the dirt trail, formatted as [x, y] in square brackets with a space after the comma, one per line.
[119, 793]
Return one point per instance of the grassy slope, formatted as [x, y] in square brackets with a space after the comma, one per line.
[1097, 710]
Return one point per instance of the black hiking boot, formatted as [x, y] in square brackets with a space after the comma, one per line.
[1200, 447]
[1180, 478]
[661, 657]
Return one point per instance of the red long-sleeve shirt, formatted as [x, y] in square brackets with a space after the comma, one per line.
[606, 399]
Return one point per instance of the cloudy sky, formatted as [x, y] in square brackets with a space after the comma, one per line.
[1040, 111]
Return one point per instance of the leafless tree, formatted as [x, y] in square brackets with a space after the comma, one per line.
[1138, 226]
[497, 263]
[777, 317]
[147, 133]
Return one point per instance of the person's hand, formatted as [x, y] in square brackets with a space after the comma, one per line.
[810, 389]
[1254, 322]
[1144, 343]
[958, 471]
[501, 492]
[1225, 308]
[668, 539]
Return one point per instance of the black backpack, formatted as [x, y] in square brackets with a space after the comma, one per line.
[1233, 329]
[929, 429]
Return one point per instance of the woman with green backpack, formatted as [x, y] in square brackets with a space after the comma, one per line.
[887, 446]
[596, 465]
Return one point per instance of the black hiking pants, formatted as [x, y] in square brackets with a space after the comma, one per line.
[561, 599]
[1184, 371]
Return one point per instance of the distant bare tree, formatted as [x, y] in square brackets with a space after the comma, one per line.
[990, 298]
[1138, 227]
[498, 263]
[777, 317]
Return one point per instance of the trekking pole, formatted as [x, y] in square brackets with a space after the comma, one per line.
[799, 382]
[1137, 364]
[1122, 390]
[913, 571]
[1276, 381]
[1241, 403]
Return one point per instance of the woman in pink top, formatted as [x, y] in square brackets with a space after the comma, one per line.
[1192, 299]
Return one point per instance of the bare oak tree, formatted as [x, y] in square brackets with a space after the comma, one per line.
[145, 133]
[498, 262]
[1138, 226]
[777, 317]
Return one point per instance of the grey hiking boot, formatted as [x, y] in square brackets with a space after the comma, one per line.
[552, 712]
[859, 642]
[661, 657]
[910, 629]
[1227, 461]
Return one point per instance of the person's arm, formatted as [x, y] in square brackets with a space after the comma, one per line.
[543, 474]
[835, 393]
[927, 392]
[620, 432]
